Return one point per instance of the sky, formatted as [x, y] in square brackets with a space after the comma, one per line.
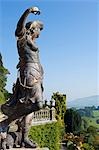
[68, 44]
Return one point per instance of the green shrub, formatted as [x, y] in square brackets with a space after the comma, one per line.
[86, 146]
[48, 135]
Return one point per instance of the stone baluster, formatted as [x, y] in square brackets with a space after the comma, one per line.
[48, 113]
[53, 114]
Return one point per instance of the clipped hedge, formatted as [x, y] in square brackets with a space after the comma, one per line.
[48, 135]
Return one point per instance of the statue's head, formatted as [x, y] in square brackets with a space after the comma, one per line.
[3, 132]
[34, 28]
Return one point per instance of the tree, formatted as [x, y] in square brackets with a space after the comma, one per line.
[1, 63]
[3, 79]
[72, 121]
[60, 104]
[89, 137]
[84, 123]
[88, 111]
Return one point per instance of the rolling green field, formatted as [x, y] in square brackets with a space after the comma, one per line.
[92, 120]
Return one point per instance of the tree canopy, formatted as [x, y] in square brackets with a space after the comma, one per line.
[72, 121]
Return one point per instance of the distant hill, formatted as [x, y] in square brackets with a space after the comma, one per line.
[83, 102]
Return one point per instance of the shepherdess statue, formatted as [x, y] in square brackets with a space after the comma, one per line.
[27, 95]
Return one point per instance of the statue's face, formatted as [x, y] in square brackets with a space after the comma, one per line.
[3, 135]
[35, 29]
[35, 32]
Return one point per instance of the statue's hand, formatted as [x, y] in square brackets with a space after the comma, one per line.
[35, 10]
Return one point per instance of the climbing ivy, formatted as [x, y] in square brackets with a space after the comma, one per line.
[60, 104]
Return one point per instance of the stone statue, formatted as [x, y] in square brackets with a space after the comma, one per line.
[27, 94]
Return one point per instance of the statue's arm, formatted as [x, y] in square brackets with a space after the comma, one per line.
[20, 25]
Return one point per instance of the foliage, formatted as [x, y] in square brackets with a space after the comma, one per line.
[91, 137]
[97, 121]
[3, 79]
[96, 113]
[48, 135]
[84, 124]
[2, 97]
[88, 134]
[60, 104]
[88, 111]
[91, 121]
[1, 63]
[92, 130]
[96, 142]
[86, 146]
[72, 121]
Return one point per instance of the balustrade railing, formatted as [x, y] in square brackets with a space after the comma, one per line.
[44, 115]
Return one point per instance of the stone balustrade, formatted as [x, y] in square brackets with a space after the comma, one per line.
[44, 115]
